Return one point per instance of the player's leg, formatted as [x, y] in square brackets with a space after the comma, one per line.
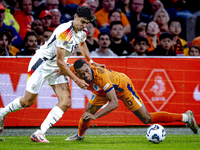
[16, 105]
[166, 117]
[63, 94]
[84, 124]
[134, 103]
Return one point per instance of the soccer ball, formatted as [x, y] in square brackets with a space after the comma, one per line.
[155, 133]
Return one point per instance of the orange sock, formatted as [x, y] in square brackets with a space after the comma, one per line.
[82, 127]
[165, 117]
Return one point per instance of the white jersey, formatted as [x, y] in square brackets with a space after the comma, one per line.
[63, 36]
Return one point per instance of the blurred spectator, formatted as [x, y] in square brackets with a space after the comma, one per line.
[180, 46]
[124, 5]
[157, 4]
[118, 45]
[140, 46]
[103, 18]
[104, 43]
[93, 4]
[92, 43]
[140, 31]
[5, 40]
[165, 47]
[24, 17]
[46, 5]
[30, 44]
[9, 18]
[38, 28]
[70, 7]
[196, 41]
[46, 19]
[56, 17]
[194, 50]
[16, 41]
[45, 35]
[161, 17]
[13, 4]
[135, 16]
[153, 33]
[115, 15]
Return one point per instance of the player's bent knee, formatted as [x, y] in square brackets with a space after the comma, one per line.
[86, 120]
[27, 103]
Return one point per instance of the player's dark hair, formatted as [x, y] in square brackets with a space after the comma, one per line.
[85, 12]
[79, 63]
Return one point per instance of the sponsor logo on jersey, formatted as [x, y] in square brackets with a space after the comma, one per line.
[65, 42]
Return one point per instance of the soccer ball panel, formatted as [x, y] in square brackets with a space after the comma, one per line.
[155, 133]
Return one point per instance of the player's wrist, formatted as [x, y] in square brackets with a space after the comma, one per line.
[91, 61]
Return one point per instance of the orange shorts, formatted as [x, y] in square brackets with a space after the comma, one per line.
[129, 97]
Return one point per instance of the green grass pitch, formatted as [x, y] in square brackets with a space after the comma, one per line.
[102, 142]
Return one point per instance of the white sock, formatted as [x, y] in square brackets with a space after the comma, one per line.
[11, 107]
[54, 115]
[185, 118]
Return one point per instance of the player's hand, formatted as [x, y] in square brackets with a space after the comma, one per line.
[82, 84]
[88, 115]
[98, 65]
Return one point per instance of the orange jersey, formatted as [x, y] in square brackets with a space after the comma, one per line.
[105, 80]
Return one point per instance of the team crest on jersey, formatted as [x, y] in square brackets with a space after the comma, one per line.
[65, 42]
[96, 87]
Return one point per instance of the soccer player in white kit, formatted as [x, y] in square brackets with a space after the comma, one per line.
[51, 56]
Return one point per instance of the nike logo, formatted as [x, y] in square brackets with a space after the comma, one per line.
[196, 93]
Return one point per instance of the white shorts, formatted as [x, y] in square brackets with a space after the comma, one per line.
[40, 71]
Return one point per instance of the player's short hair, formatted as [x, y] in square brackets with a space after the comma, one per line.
[85, 12]
[79, 63]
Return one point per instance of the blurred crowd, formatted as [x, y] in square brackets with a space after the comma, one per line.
[120, 27]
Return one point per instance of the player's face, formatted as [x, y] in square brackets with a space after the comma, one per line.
[79, 23]
[85, 73]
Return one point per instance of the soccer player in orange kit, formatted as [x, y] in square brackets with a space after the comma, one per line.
[108, 85]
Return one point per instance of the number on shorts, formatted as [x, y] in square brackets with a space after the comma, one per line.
[129, 102]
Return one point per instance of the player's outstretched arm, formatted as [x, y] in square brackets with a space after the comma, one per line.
[66, 70]
[84, 50]
[113, 104]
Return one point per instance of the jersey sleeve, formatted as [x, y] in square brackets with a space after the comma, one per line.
[64, 38]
